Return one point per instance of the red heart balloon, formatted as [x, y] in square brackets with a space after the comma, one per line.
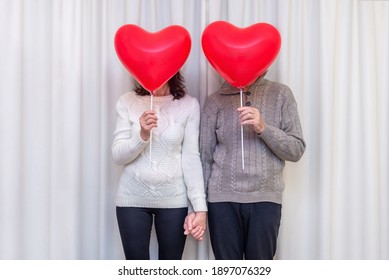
[240, 55]
[152, 58]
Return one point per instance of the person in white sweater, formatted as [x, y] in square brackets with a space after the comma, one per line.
[161, 183]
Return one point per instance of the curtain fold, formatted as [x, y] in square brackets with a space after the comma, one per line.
[60, 79]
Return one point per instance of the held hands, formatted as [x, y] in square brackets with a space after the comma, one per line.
[147, 121]
[196, 224]
[251, 116]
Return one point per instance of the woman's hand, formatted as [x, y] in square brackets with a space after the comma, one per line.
[147, 121]
[196, 224]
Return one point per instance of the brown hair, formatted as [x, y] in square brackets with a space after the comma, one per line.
[176, 85]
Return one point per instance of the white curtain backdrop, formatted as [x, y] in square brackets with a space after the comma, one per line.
[60, 79]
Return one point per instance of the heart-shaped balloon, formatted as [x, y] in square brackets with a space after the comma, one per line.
[152, 58]
[240, 55]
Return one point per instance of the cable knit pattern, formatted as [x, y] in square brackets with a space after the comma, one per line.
[174, 173]
[277, 120]
[265, 154]
[263, 147]
[234, 136]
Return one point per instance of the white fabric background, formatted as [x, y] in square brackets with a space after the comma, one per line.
[60, 79]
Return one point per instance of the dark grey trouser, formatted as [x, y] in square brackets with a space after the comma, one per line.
[244, 230]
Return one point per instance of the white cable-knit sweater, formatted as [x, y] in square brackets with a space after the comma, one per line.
[174, 174]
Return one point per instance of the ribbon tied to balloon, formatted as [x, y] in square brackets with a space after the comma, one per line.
[152, 58]
[240, 55]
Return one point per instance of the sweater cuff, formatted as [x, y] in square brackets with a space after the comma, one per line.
[197, 205]
[190, 207]
[266, 133]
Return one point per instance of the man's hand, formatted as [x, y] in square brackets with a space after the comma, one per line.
[251, 116]
[195, 224]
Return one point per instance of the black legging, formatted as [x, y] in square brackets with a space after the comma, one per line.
[135, 230]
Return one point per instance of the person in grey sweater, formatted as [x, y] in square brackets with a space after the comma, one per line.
[244, 201]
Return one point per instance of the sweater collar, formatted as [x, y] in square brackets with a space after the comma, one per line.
[227, 89]
[160, 99]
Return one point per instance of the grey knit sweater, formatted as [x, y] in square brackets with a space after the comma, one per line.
[264, 155]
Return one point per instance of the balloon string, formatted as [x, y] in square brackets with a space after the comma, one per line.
[241, 127]
[151, 131]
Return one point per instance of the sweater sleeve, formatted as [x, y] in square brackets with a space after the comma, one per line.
[207, 139]
[287, 140]
[191, 163]
[126, 146]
